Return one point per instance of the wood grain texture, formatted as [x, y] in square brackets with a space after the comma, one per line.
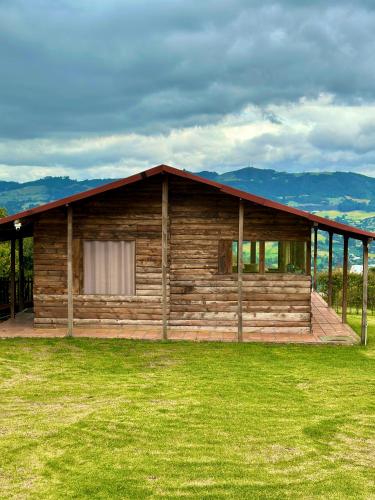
[308, 255]
[203, 225]
[330, 268]
[132, 213]
[21, 271]
[164, 259]
[200, 296]
[364, 294]
[224, 257]
[69, 262]
[345, 280]
[12, 291]
[315, 259]
[77, 266]
[240, 269]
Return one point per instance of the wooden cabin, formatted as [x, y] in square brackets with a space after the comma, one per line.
[160, 252]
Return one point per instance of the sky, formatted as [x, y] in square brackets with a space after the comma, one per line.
[106, 88]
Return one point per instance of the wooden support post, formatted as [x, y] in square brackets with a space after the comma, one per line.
[364, 294]
[308, 258]
[280, 256]
[330, 262]
[21, 271]
[262, 248]
[164, 243]
[315, 286]
[12, 291]
[253, 252]
[345, 280]
[240, 268]
[308, 272]
[70, 269]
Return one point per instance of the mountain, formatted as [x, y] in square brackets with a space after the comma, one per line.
[340, 195]
[343, 196]
[342, 191]
[16, 196]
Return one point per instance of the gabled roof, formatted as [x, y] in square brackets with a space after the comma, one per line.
[320, 222]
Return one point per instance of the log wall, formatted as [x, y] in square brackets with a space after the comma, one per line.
[199, 298]
[129, 213]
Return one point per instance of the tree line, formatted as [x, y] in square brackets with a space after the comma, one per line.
[354, 298]
[5, 255]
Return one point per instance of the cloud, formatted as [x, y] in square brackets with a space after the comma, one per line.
[309, 135]
[94, 67]
[90, 87]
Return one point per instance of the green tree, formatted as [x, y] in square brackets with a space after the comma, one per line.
[5, 254]
[4, 251]
[354, 299]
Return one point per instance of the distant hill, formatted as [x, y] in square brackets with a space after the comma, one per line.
[339, 195]
[16, 196]
[342, 191]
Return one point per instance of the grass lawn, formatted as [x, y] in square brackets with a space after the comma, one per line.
[122, 419]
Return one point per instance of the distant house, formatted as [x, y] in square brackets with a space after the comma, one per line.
[165, 251]
[356, 269]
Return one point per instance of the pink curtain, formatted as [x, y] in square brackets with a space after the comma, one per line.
[109, 267]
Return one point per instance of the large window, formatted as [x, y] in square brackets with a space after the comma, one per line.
[109, 267]
[266, 256]
[285, 257]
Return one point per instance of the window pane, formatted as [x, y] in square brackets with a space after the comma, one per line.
[109, 267]
[271, 257]
[250, 256]
[294, 257]
[234, 256]
[285, 257]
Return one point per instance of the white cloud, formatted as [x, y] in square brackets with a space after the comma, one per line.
[311, 134]
[94, 88]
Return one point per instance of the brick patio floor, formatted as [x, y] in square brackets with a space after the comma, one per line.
[327, 328]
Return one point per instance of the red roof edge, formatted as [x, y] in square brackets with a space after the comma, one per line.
[325, 224]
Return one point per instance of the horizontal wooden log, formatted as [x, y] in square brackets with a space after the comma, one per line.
[95, 321]
[303, 330]
[198, 296]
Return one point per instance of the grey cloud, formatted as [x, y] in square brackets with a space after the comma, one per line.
[75, 68]
[356, 139]
[272, 117]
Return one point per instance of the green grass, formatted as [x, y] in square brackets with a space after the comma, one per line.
[122, 419]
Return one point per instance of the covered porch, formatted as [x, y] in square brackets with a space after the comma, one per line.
[327, 328]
